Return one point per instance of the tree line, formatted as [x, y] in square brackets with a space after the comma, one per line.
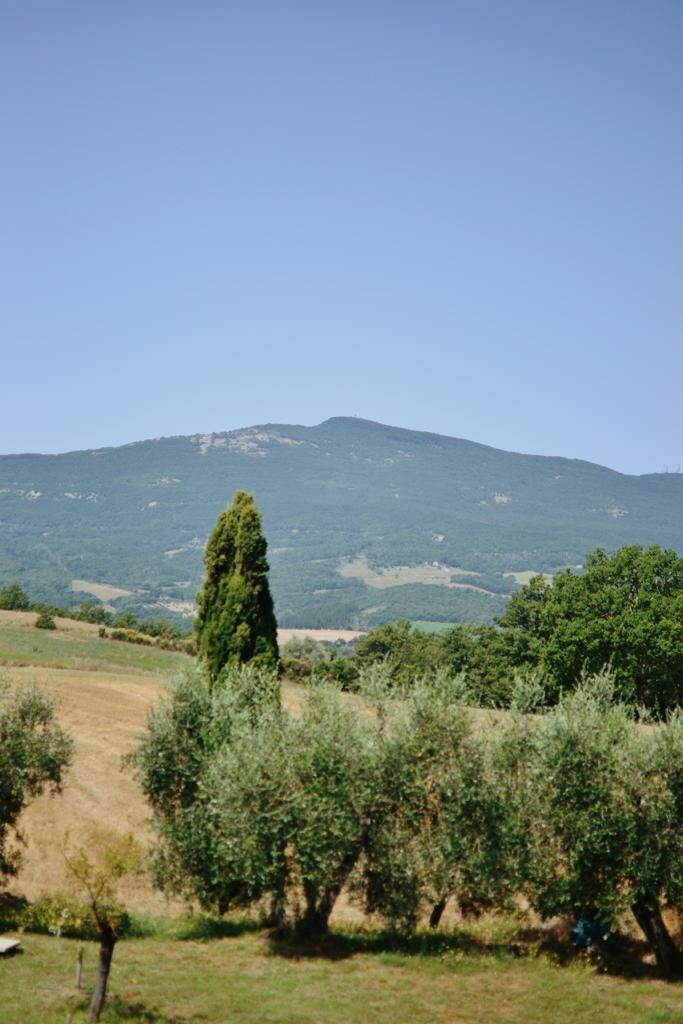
[409, 804]
[14, 598]
[624, 612]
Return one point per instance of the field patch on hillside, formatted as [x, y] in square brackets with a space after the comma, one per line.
[322, 635]
[431, 574]
[523, 576]
[104, 690]
[102, 591]
[76, 645]
[105, 713]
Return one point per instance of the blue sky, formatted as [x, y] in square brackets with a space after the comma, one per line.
[464, 217]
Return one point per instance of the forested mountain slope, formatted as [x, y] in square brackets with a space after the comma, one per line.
[365, 522]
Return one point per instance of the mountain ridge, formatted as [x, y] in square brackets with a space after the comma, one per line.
[366, 522]
[323, 423]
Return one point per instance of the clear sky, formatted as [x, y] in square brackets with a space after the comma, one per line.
[461, 216]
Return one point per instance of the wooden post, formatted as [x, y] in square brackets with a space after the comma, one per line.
[79, 965]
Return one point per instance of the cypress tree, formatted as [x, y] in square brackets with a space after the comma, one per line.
[236, 622]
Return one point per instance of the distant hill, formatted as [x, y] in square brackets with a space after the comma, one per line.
[366, 523]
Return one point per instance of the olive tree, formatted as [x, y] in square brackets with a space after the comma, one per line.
[189, 733]
[97, 877]
[441, 826]
[332, 797]
[251, 803]
[34, 754]
[603, 815]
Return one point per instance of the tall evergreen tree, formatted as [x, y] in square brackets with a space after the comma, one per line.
[236, 622]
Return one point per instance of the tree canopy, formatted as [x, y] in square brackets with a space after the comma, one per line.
[13, 598]
[625, 610]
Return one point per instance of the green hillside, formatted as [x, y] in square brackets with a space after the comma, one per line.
[365, 523]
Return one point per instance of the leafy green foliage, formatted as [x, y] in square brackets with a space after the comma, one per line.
[625, 611]
[58, 914]
[45, 621]
[88, 611]
[602, 808]
[34, 753]
[252, 803]
[13, 598]
[186, 733]
[448, 826]
[491, 658]
[408, 804]
[96, 870]
[97, 876]
[408, 652]
[235, 622]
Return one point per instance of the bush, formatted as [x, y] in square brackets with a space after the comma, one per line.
[88, 611]
[45, 621]
[182, 644]
[13, 598]
[297, 669]
[131, 636]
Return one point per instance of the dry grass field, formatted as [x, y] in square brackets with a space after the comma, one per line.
[329, 635]
[105, 713]
[104, 689]
[402, 575]
[104, 708]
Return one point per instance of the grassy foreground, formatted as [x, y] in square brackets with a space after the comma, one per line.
[247, 978]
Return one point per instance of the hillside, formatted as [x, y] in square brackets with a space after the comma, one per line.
[104, 689]
[366, 523]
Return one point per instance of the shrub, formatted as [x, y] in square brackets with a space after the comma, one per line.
[45, 621]
[13, 598]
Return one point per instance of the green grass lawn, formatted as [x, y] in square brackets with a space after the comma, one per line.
[246, 978]
[58, 648]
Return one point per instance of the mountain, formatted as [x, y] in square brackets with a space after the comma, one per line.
[365, 523]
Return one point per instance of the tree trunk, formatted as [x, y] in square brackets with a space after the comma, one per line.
[468, 907]
[318, 913]
[655, 931]
[107, 943]
[437, 911]
[276, 912]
